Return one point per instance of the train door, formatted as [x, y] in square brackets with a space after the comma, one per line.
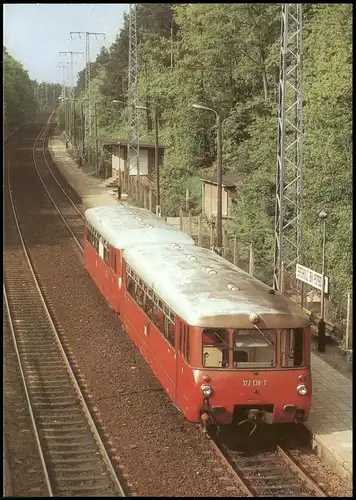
[113, 280]
[104, 278]
[183, 356]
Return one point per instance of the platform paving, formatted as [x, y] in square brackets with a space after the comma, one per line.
[92, 190]
[330, 420]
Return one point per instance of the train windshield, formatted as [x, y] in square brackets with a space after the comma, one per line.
[216, 348]
[254, 348]
[249, 348]
[292, 347]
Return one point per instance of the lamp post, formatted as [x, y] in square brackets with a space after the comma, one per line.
[321, 327]
[117, 101]
[158, 197]
[219, 174]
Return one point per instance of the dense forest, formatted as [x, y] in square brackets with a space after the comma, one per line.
[23, 97]
[226, 56]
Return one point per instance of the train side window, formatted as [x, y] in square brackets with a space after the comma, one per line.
[96, 242]
[215, 348]
[139, 296]
[169, 331]
[292, 347]
[130, 285]
[158, 318]
[106, 253]
[148, 306]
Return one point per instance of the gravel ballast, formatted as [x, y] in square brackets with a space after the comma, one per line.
[160, 453]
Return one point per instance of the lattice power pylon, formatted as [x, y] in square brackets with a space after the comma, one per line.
[71, 62]
[63, 65]
[88, 104]
[289, 178]
[72, 87]
[133, 98]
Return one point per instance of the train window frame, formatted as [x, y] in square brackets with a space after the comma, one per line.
[159, 307]
[92, 237]
[106, 254]
[112, 258]
[291, 356]
[225, 349]
[180, 343]
[252, 351]
[168, 333]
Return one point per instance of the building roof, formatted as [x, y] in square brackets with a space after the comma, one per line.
[124, 227]
[104, 141]
[208, 291]
[228, 180]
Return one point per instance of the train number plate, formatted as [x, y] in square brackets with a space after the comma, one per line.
[253, 382]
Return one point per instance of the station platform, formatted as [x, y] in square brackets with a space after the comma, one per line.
[92, 190]
[330, 420]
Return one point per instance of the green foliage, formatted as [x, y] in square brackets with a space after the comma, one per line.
[226, 56]
[328, 141]
[19, 97]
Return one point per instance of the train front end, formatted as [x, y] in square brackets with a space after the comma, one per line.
[252, 376]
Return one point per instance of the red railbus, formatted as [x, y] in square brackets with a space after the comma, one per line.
[108, 231]
[225, 346]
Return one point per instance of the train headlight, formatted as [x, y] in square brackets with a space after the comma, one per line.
[302, 390]
[206, 390]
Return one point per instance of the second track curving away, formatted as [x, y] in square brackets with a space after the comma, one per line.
[73, 456]
[71, 215]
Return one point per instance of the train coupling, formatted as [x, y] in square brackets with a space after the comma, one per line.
[256, 418]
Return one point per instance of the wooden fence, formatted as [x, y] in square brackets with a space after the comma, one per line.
[141, 193]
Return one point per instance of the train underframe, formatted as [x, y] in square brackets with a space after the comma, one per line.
[251, 416]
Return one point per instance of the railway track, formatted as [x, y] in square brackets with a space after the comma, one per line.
[63, 426]
[73, 456]
[273, 472]
[70, 213]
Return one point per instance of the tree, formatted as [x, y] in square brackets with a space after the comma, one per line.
[328, 143]
[19, 98]
[226, 56]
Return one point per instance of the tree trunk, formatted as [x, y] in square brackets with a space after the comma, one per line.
[265, 84]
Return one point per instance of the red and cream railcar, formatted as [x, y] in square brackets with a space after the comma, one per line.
[108, 231]
[223, 344]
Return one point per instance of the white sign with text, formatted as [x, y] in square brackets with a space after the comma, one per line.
[311, 277]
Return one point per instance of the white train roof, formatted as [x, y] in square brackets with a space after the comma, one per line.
[206, 290]
[124, 227]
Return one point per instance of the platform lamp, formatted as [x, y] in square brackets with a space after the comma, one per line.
[321, 327]
[117, 101]
[219, 174]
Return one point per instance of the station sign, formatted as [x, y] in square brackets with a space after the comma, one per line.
[311, 277]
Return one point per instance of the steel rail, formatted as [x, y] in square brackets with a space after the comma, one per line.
[54, 177]
[246, 485]
[27, 381]
[236, 474]
[319, 492]
[28, 399]
[80, 246]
